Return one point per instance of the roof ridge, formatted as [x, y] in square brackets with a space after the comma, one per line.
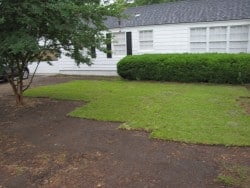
[172, 2]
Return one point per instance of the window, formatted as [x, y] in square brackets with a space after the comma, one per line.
[146, 39]
[198, 39]
[119, 43]
[222, 39]
[238, 39]
[218, 39]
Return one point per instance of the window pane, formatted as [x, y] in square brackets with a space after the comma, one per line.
[239, 29]
[198, 34]
[237, 47]
[238, 39]
[198, 46]
[119, 38]
[239, 33]
[217, 46]
[146, 39]
[119, 43]
[218, 34]
[146, 45]
[146, 35]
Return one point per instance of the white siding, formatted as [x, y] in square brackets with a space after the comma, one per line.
[171, 38]
[107, 2]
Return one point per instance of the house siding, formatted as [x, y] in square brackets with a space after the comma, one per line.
[170, 38]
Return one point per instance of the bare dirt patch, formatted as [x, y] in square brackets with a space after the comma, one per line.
[245, 103]
[41, 146]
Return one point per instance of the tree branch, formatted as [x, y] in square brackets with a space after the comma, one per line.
[38, 63]
[31, 80]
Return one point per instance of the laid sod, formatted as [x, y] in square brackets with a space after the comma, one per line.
[193, 113]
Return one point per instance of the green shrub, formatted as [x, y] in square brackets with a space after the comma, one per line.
[212, 68]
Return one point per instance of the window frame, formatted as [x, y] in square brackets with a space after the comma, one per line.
[238, 40]
[152, 40]
[114, 44]
[228, 34]
[217, 40]
[205, 41]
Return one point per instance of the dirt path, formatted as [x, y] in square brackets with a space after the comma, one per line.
[41, 146]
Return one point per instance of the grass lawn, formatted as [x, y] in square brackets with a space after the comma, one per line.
[194, 113]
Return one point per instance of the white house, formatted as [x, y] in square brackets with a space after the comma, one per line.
[107, 2]
[191, 26]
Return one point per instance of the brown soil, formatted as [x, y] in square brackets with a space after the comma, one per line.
[41, 147]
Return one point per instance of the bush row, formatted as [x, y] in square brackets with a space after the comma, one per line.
[212, 68]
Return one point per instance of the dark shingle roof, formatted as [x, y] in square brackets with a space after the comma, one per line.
[188, 11]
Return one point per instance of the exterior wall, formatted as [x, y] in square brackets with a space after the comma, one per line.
[107, 2]
[171, 38]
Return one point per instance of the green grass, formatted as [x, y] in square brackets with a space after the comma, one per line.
[193, 113]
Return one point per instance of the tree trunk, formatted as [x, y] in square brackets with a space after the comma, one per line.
[19, 99]
[18, 91]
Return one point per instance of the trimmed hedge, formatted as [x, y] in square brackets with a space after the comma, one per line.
[212, 68]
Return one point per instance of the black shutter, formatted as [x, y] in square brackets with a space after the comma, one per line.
[109, 47]
[93, 52]
[129, 43]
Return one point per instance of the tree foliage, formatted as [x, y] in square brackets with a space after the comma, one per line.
[30, 28]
